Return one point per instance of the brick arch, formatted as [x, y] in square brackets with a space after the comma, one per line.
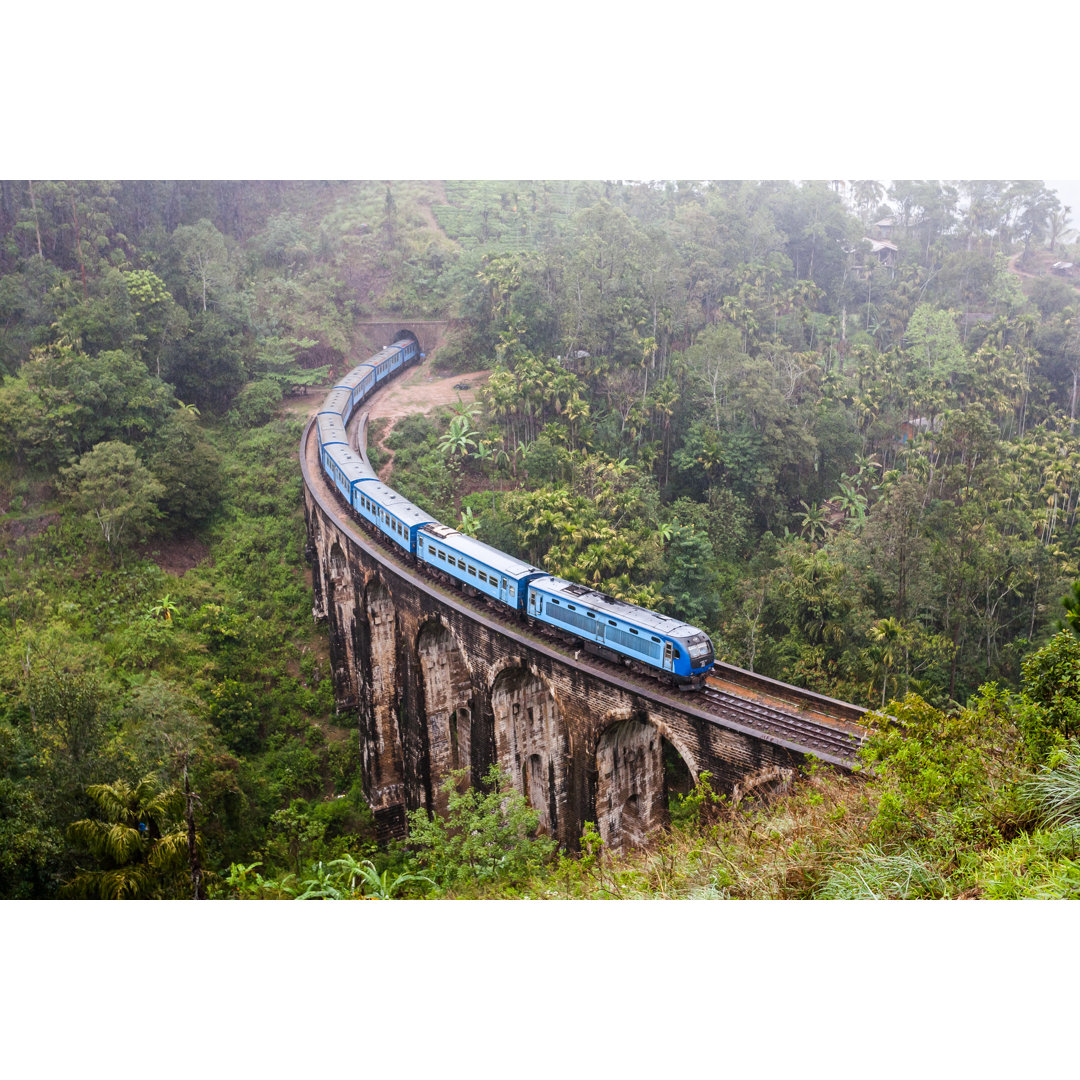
[338, 567]
[382, 750]
[409, 335]
[633, 763]
[447, 695]
[531, 743]
[340, 599]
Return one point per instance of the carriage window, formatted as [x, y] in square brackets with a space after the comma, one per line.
[590, 614]
[442, 555]
[632, 630]
[483, 576]
[657, 640]
[571, 607]
[472, 570]
[611, 622]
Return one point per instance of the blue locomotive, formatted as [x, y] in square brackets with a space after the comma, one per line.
[625, 633]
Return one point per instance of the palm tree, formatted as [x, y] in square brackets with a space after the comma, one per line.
[813, 522]
[1058, 226]
[468, 523]
[164, 609]
[853, 504]
[1071, 603]
[140, 841]
[485, 454]
[459, 438]
[889, 634]
[867, 196]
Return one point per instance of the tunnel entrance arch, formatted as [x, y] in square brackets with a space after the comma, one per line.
[403, 335]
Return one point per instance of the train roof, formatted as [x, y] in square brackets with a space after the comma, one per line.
[331, 428]
[477, 550]
[350, 462]
[337, 400]
[354, 378]
[384, 354]
[396, 504]
[619, 609]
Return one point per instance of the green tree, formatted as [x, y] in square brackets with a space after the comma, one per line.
[459, 438]
[941, 775]
[935, 341]
[187, 465]
[1051, 683]
[139, 842]
[63, 402]
[488, 836]
[159, 319]
[277, 359]
[204, 258]
[112, 488]
[1071, 603]
[207, 365]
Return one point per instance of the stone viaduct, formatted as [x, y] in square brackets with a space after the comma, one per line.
[440, 682]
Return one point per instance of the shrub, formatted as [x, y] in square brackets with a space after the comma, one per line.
[487, 837]
[256, 404]
[874, 875]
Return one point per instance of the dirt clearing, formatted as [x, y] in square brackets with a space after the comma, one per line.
[419, 392]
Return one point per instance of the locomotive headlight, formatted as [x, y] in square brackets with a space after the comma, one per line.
[699, 650]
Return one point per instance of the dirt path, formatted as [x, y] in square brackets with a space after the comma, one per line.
[1013, 259]
[419, 392]
[1044, 259]
[426, 207]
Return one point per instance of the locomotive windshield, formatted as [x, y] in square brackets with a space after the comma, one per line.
[700, 646]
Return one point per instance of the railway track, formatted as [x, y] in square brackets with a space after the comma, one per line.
[777, 712]
[819, 736]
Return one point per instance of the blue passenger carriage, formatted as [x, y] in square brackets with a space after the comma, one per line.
[359, 383]
[475, 563]
[622, 631]
[331, 430]
[346, 469]
[338, 401]
[392, 514]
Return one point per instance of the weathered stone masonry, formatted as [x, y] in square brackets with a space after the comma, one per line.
[438, 686]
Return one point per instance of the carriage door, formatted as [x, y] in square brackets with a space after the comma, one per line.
[667, 656]
[504, 591]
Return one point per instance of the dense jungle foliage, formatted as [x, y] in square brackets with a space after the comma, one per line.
[831, 423]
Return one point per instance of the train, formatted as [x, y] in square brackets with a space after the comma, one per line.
[646, 641]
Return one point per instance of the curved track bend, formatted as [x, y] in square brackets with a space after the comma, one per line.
[799, 720]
